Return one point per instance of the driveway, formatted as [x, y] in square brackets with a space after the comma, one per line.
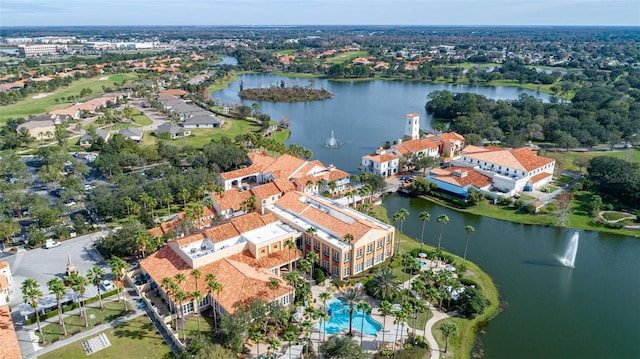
[156, 117]
[43, 264]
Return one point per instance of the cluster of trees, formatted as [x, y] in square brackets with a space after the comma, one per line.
[33, 87]
[285, 94]
[615, 178]
[597, 114]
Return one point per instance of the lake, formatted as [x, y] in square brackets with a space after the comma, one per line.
[362, 114]
[591, 311]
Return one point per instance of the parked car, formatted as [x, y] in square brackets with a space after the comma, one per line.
[70, 203]
[51, 244]
[107, 285]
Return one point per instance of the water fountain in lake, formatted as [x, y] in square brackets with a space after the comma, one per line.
[569, 257]
[331, 142]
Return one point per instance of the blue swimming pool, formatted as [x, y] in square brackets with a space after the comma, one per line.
[339, 314]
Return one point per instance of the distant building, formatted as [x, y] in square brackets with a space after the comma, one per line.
[173, 131]
[41, 127]
[41, 50]
[132, 133]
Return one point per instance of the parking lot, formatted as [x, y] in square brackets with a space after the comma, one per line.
[43, 264]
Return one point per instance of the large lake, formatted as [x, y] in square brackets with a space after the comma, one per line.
[362, 114]
[592, 311]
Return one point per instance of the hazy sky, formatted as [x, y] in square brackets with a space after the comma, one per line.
[319, 12]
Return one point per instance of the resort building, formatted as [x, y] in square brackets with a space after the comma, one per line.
[42, 127]
[511, 170]
[41, 50]
[245, 253]
[8, 338]
[383, 163]
[308, 177]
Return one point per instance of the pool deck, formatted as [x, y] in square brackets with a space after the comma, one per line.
[389, 334]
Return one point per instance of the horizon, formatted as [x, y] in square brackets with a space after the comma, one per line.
[45, 13]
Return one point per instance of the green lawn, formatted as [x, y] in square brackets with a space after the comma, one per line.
[566, 159]
[345, 57]
[75, 323]
[285, 52]
[200, 137]
[141, 119]
[31, 106]
[136, 338]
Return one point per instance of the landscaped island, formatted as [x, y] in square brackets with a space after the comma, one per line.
[285, 94]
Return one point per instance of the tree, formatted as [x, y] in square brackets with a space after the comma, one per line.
[257, 337]
[469, 230]
[290, 244]
[350, 297]
[197, 297]
[57, 288]
[79, 285]
[167, 199]
[384, 285]
[95, 275]
[119, 268]
[180, 296]
[348, 237]
[399, 217]
[424, 217]
[564, 204]
[313, 258]
[448, 329]
[61, 135]
[342, 347]
[31, 293]
[442, 219]
[400, 318]
[324, 297]
[274, 285]
[386, 308]
[273, 344]
[213, 286]
[581, 162]
[365, 308]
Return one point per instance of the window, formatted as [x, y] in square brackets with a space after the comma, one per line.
[359, 268]
[388, 239]
[326, 251]
[326, 264]
[187, 308]
[308, 241]
[347, 258]
[335, 256]
[285, 300]
[263, 251]
[379, 244]
[204, 301]
[275, 246]
[386, 253]
[335, 271]
[369, 263]
[369, 248]
[379, 258]
[359, 253]
[317, 245]
[346, 271]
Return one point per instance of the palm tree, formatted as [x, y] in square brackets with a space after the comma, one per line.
[184, 195]
[401, 318]
[128, 204]
[118, 268]
[167, 199]
[448, 329]
[274, 344]
[311, 231]
[385, 285]
[305, 266]
[309, 184]
[274, 285]
[351, 297]
[258, 337]
[180, 295]
[293, 280]
[179, 278]
[348, 237]
[79, 285]
[424, 217]
[314, 258]
[324, 297]
[197, 297]
[290, 244]
[95, 275]
[399, 217]
[196, 274]
[214, 286]
[469, 230]
[289, 336]
[31, 293]
[386, 308]
[442, 219]
[365, 308]
[56, 287]
[169, 286]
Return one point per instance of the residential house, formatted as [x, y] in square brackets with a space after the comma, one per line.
[41, 127]
[173, 131]
[452, 143]
[86, 140]
[203, 119]
[132, 133]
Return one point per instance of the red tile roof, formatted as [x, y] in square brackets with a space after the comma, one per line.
[381, 158]
[539, 177]
[472, 177]
[8, 338]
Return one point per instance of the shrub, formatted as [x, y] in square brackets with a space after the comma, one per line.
[338, 282]
[318, 276]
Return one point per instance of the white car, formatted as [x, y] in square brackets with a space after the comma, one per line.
[70, 203]
[51, 244]
[107, 285]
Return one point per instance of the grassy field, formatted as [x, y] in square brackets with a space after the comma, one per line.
[75, 323]
[345, 57]
[36, 106]
[136, 338]
[141, 119]
[566, 159]
[200, 137]
[285, 52]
